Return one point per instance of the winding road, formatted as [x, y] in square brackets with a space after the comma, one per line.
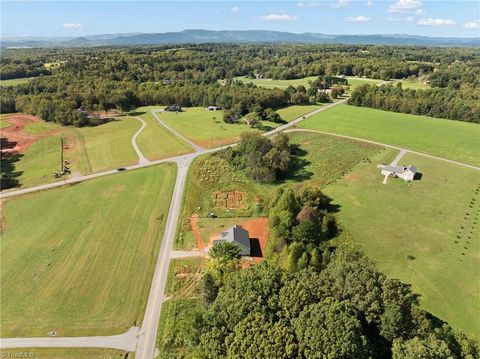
[142, 340]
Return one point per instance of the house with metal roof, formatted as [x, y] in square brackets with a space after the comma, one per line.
[238, 236]
[407, 173]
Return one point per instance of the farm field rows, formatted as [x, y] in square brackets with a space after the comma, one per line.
[155, 141]
[90, 273]
[206, 128]
[454, 140]
[424, 233]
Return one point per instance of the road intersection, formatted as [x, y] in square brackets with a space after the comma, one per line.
[142, 340]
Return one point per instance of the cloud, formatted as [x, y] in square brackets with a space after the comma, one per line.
[309, 4]
[339, 4]
[419, 12]
[405, 6]
[236, 9]
[357, 19]
[369, 2]
[400, 19]
[277, 17]
[435, 22]
[72, 25]
[475, 24]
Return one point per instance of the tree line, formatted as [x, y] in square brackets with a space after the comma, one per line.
[450, 103]
[98, 79]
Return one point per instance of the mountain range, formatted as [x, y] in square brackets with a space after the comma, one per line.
[232, 36]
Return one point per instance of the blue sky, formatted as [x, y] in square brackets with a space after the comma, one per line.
[80, 18]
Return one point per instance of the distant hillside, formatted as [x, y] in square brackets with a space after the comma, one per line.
[227, 36]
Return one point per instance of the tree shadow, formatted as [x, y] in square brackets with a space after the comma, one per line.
[8, 174]
[136, 113]
[297, 172]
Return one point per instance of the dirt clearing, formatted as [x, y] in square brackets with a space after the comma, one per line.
[14, 139]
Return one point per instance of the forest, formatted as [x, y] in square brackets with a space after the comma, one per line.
[311, 298]
[99, 79]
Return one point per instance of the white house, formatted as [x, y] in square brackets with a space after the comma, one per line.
[407, 173]
[212, 108]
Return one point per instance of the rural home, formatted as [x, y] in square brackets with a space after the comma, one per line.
[213, 108]
[238, 236]
[173, 108]
[407, 173]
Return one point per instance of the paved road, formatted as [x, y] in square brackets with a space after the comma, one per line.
[406, 150]
[126, 341]
[147, 334]
[141, 158]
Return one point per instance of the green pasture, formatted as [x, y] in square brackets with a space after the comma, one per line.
[206, 128]
[110, 145]
[282, 84]
[65, 353]
[323, 159]
[455, 140]
[15, 82]
[424, 233]
[184, 299]
[79, 259]
[155, 141]
[415, 84]
[293, 112]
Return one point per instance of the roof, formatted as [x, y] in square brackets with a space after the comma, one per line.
[236, 234]
[399, 169]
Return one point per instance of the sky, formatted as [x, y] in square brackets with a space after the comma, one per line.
[447, 18]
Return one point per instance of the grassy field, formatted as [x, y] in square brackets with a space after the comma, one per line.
[415, 85]
[424, 233]
[155, 141]
[79, 259]
[354, 81]
[37, 128]
[455, 140]
[293, 112]
[15, 82]
[65, 353]
[320, 160]
[206, 128]
[283, 84]
[183, 291]
[323, 159]
[109, 145]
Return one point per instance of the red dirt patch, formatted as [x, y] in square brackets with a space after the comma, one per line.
[196, 231]
[258, 231]
[231, 200]
[14, 139]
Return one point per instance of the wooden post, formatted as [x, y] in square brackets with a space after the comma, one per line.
[61, 154]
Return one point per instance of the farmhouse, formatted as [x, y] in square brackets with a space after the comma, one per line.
[407, 173]
[238, 236]
[173, 108]
[213, 108]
